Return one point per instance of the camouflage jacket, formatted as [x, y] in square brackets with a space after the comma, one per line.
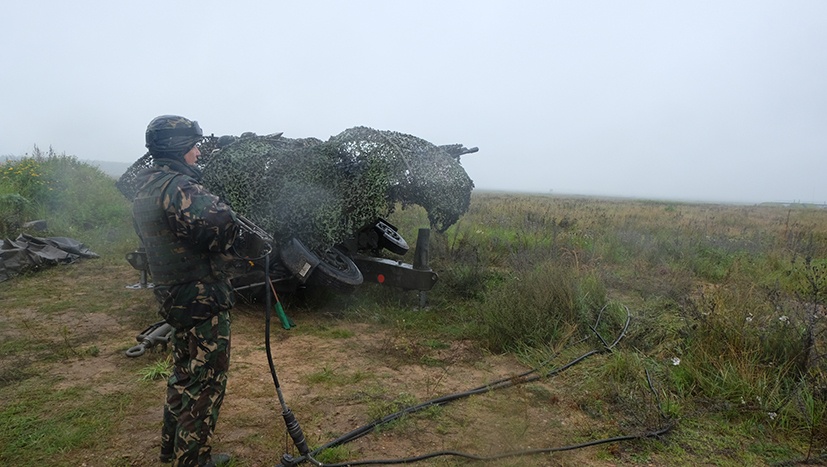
[201, 223]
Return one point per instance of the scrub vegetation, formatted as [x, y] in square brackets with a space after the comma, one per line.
[75, 198]
[726, 342]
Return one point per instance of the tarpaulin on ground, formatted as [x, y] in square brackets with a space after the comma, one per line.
[28, 253]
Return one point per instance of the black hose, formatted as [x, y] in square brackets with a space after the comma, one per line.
[290, 422]
[503, 383]
[298, 437]
[293, 427]
[407, 460]
[499, 384]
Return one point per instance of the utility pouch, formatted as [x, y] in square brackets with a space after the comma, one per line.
[185, 305]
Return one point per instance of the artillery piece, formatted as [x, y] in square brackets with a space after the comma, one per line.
[324, 204]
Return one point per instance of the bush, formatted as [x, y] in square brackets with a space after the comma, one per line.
[14, 210]
[537, 308]
[76, 199]
[741, 349]
[25, 178]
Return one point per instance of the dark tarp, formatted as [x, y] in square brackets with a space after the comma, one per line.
[28, 253]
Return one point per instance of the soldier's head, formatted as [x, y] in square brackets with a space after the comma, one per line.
[173, 137]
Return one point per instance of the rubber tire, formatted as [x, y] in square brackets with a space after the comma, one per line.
[336, 271]
[390, 239]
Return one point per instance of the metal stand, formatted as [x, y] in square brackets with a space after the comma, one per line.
[143, 284]
[421, 254]
[137, 259]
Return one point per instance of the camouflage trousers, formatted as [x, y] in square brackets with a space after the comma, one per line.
[195, 390]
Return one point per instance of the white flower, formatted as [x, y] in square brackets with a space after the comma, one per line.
[784, 319]
[772, 415]
[749, 318]
[676, 361]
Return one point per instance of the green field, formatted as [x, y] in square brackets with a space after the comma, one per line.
[724, 350]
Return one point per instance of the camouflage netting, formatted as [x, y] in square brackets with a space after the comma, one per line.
[322, 192]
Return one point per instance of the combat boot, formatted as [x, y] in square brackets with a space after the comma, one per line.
[166, 455]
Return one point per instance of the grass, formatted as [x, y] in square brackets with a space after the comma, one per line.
[40, 423]
[380, 407]
[331, 377]
[161, 369]
[727, 338]
[335, 454]
[729, 290]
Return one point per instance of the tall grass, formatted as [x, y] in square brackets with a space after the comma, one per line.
[741, 350]
[728, 301]
[75, 199]
[538, 307]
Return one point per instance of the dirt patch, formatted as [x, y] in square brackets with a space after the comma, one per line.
[336, 376]
[334, 385]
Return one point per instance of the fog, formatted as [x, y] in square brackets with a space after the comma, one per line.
[700, 101]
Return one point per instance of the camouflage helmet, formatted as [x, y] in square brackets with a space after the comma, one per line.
[172, 136]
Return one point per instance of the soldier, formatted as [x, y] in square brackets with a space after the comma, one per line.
[185, 231]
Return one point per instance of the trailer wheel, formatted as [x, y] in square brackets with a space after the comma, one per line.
[390, 239]
[337, 271]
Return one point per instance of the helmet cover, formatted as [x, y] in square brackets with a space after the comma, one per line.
[172, 136]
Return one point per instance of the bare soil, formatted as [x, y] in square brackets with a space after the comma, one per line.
[336, 375]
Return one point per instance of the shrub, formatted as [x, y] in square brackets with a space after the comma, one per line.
[14, 210]
[77, 200]
[84, 198]
[538, 307]
[740, 348]
[25, 177]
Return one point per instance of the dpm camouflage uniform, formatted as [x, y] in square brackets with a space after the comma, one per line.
[185, 230]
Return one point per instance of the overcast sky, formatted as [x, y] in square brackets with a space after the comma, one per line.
[692, 100]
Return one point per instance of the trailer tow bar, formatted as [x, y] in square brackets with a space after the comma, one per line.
[158, 333]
